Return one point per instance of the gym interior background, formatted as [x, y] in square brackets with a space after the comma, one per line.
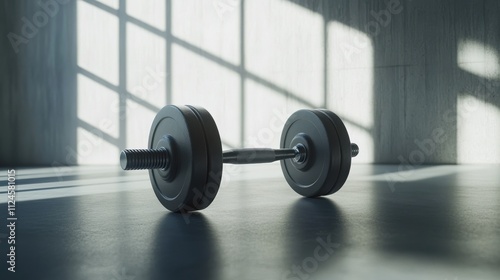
[416, 82]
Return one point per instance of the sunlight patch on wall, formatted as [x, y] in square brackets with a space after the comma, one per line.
[146, 76]
[212, 26]
[478, 136]
[97, 105]
[97, 112]
[97, 100]
[139, 120]
[151, 12]
[289, 52]
[350, 84]
[115, 4]
[97, 42]
[478, 59]
[93, 149]
[199, 81]
[267, 112]
[146, 83]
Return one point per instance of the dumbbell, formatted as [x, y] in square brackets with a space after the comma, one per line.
[185, 156]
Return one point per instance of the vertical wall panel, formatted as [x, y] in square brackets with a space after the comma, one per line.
[41, 93]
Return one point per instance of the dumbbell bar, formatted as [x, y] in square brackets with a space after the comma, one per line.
[137, 159]
[185, 155]
[140, 159]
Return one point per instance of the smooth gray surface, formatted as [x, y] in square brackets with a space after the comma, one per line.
[38, 98]
[437, 222]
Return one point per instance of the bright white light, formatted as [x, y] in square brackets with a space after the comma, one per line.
[115, 4]
[199, 81]
[478, 134]
[79, 188]
[92, 148]
[97, 35]
[414, 175]
[350, 84]
[139, 119]
[284, 44]
[268, 111]
[151, 12]
[97, 107]
[478, 59]
[146, 76]
[212, 26]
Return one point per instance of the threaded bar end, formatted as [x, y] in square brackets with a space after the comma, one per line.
[139, 159]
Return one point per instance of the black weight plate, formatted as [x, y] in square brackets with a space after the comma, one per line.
[314, 130]
[214, 158]
[181, 126]
[345, 149]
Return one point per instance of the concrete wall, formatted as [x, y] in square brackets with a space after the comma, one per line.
[8, 84]
[415, 81]
[38, 98]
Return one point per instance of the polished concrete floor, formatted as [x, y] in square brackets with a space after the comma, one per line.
[387, 222]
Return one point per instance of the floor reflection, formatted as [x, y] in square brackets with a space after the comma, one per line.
[418, 218]
[315, 236]
[185, 250]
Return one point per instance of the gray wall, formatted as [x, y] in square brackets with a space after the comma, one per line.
[38, 86]
[417, 80]
[8, 84]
